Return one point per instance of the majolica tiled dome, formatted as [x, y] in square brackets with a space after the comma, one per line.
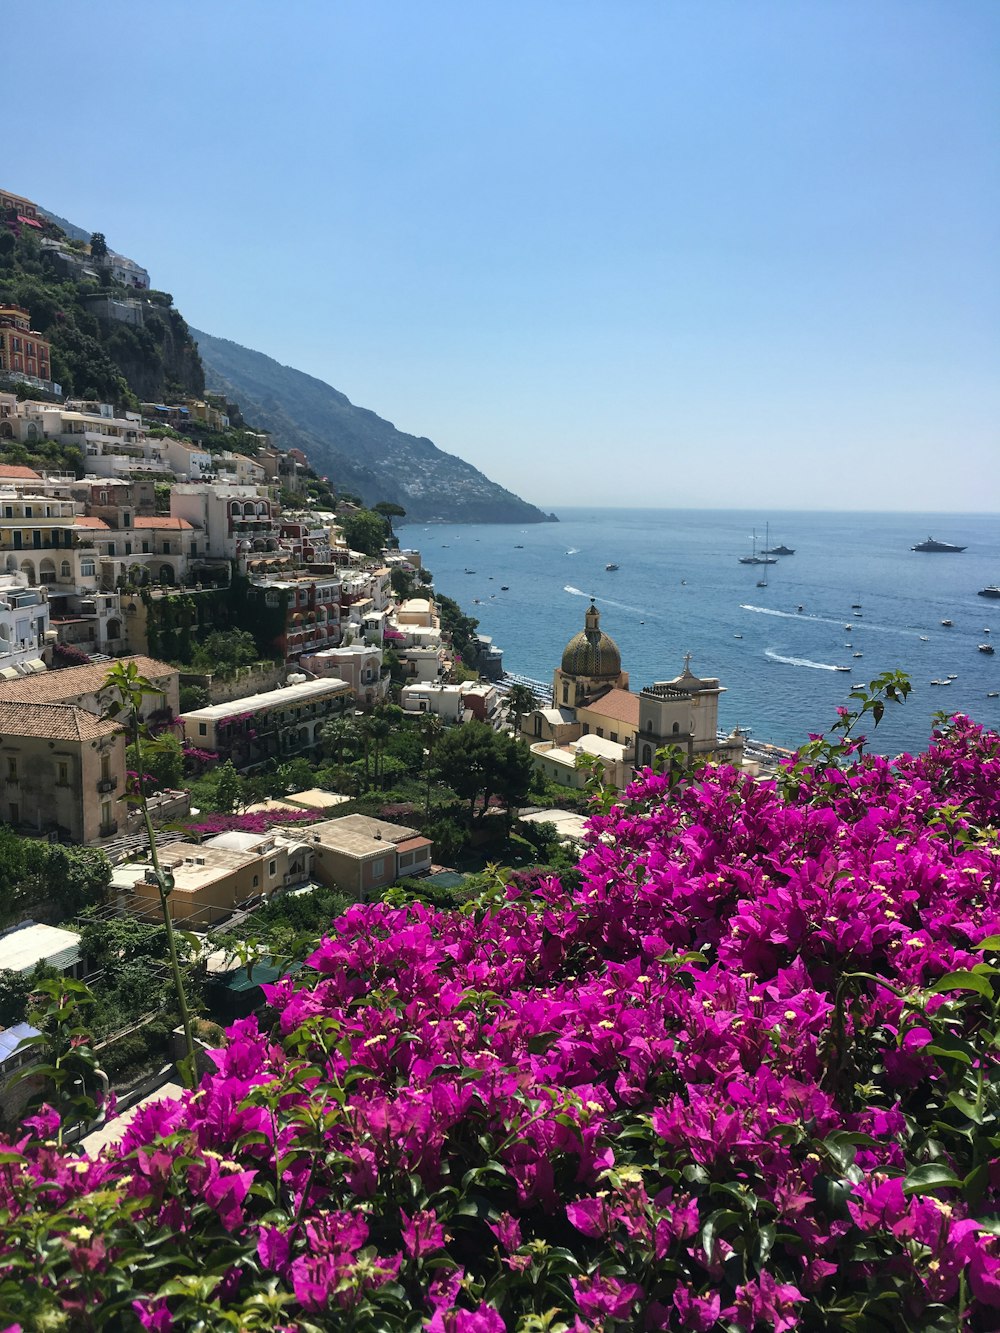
[592, 653]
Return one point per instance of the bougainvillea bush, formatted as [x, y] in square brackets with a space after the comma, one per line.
[743, 1078]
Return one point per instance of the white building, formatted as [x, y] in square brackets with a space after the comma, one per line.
[236, 520]
[24, 621]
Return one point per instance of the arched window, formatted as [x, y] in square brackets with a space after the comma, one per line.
[28, 568]
[114, 629]
[166, 573]
[676, 728]
[65, 570]
[647, 755]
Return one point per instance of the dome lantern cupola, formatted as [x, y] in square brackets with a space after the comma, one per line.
[592, 653]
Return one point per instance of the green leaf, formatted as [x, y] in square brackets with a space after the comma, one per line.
[991, 942]
[933, 1176]
[965, 1106]
[963, 981]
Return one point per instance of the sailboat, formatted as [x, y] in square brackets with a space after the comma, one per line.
[762, 582]
[754, 558]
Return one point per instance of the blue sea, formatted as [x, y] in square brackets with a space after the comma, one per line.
[680, 588]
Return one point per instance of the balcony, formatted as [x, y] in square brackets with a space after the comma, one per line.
[107, 784]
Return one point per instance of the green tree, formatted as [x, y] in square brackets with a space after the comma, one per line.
[98, 246]
[15, 991]
[163, 758]
[365, 531]
[476, 763]
[339, 736]
[521, 699]
[224, 651]
[389, 511]
[401, 582]
[229, 788]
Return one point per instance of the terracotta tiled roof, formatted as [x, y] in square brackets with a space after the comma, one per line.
[162, 522]
[12, 472]
[52, 687]
[617, 706]
[81, 521]
[58, 722]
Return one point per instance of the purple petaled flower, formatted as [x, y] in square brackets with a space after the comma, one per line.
[602, 1298]
[422, 1234]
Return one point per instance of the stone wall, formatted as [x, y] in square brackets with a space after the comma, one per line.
[247, 680]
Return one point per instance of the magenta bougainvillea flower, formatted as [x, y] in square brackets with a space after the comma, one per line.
[742, 1075]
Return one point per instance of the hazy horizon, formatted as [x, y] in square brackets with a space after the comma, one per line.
[685, 252]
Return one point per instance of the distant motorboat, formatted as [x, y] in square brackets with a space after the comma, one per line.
[947, 623]
[991, 590]
[987, 648]
[993, 694]
[735, 636]
[938, 548]
[778, 550]
[504, 587]
[839, 668]
[848, 627]
[924, 638]
[859, 654]
[519, 546]
[800, 608]
[609, 567]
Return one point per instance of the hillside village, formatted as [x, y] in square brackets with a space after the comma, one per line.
[317, 725]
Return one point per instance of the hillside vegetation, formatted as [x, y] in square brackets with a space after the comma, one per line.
[91, 358]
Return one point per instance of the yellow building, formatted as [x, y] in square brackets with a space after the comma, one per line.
[62, 770]
[216, 877]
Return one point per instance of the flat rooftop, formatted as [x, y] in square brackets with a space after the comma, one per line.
[304, 692]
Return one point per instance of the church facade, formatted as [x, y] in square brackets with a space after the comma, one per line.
[594, 712]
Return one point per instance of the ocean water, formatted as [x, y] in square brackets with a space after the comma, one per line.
[680, 588]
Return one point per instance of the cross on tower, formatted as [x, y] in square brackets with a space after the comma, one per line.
[687, 662]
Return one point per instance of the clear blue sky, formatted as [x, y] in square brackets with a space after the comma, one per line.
[639, 251]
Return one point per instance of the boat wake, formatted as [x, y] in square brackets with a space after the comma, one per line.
[799, 661]
[868, 627]
[573, 550]
[609, 601]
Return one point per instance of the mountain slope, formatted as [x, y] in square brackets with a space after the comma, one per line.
[359, 451]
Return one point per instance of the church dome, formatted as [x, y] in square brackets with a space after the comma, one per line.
[592, 653]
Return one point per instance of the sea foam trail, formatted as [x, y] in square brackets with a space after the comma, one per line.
[573, 550]
[608, 601]
[799, 661]
[862, 626]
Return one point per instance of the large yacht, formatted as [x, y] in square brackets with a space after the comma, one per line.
[938, 547]
[991, 591]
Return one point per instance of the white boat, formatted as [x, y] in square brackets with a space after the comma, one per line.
[610, 567]
[987, 648]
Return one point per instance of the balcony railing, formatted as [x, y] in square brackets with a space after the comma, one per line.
[107, 784]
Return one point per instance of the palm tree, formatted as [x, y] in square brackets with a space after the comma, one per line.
[521, 699]
[431, 728]
[338, 735]
[127, 688]
[377, 728]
